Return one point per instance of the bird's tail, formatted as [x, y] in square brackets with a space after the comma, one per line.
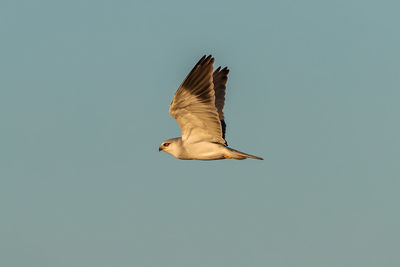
[240, 155]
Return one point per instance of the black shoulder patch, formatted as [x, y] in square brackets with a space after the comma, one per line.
[223, 126]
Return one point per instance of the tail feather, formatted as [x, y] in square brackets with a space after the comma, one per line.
[240, 155]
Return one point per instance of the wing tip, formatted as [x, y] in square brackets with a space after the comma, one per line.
[205, 60]
[225, 70]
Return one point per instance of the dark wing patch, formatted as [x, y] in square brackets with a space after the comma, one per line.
[220, 77]
[223, 125]
[197, 81]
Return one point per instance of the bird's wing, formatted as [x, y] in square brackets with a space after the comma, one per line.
[220, 77]
[193, 106]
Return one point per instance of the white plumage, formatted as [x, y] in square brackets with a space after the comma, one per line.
[197, 107]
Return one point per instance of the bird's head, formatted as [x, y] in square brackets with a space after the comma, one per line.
[170, 146]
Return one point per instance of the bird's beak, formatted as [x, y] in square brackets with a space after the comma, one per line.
[159, 149]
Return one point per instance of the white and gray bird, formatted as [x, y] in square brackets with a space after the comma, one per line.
[197, 107]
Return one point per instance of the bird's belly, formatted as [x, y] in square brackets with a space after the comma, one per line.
[204, 151]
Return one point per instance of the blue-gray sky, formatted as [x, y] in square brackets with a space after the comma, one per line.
[85, 88]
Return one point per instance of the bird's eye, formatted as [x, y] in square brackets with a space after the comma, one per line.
[166, 144]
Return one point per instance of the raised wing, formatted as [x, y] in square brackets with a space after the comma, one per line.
[220, 77]
[193, 106]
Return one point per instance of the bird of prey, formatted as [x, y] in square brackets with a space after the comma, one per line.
[197, 107]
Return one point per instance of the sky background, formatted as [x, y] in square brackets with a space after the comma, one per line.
[85, 88]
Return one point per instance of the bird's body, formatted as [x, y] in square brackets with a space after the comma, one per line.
[202, 150]
[197, 107]
[199, 150]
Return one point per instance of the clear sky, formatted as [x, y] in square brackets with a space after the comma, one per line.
[85, 88]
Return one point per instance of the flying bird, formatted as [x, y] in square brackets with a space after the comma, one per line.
[197, 107]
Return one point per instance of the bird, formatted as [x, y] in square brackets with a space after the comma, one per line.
[197, 107]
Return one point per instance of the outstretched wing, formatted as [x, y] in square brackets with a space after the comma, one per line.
[220, 77]
[193, 106]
